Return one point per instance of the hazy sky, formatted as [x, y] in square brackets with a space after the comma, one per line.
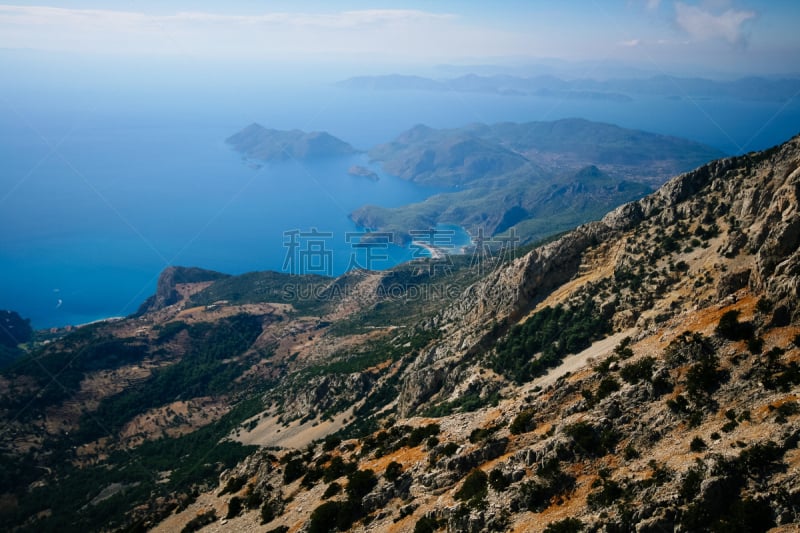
[735, 36]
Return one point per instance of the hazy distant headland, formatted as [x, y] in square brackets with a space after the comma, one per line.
[534, 178]
[363, 172]
[615, 89]
[257, 142]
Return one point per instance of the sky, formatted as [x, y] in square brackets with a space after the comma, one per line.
[735, 37]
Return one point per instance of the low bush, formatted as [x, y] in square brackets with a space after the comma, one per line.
[697, 445]
[474, 487]
[523, 422]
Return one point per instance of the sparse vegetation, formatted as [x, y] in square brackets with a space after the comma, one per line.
[641, 370]
[426, 525]
[523, 422]
[730, 328]
[553, 332]
[200, 521]
[393, 471]
[567, 525]
[474, 489]
[697, 444]
[332, 490]
[590, 440]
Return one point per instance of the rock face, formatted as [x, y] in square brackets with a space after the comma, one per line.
[166, 293]
[758, 192]
[257, 142]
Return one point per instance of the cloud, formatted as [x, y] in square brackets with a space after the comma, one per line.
[345, 19]
[631, 43]
[391, 32]
[704, 25]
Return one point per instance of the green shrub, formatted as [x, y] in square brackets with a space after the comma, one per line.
[267, 512]
[630, 453]
[785, 410]
[331, 516]
[703, 377]
[589, 441]
[697, 445]
[522, 422]
[233, 485]
[690, 484]
[638, 371]
[234, 507]
[747, 515]
[623, 350]
[294, 469]
[729, 426]
[253, 499]
[761, 458]
[474, 487]
[678, 405]
[498, 480]
[426, 525]
[755, 345]
[764, 305]
[537, 494]
[393, 471]
[336, 469]
[608, 492]
[730, 328]
[567, 525]
[360, 482]
[607, 386]
[479, 434]
[200, 521]
[421, 433]
[332, 490]
[311, 477]
[331, 442]
[449, 449]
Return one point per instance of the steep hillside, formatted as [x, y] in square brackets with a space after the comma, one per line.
[685, 415]
[537, 178]
[637, 373]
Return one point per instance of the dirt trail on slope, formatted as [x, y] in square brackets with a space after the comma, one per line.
[572, 363]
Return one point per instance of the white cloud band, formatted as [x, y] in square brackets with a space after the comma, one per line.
[704, 25]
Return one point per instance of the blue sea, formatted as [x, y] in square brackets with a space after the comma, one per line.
[102, 189]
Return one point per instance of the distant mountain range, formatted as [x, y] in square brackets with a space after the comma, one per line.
[538, 178]
[617, 89]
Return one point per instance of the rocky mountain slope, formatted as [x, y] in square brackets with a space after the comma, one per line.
[638, 373]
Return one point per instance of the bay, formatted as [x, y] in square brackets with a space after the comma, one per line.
[99, 192]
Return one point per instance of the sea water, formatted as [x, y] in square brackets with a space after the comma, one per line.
[100, 191]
